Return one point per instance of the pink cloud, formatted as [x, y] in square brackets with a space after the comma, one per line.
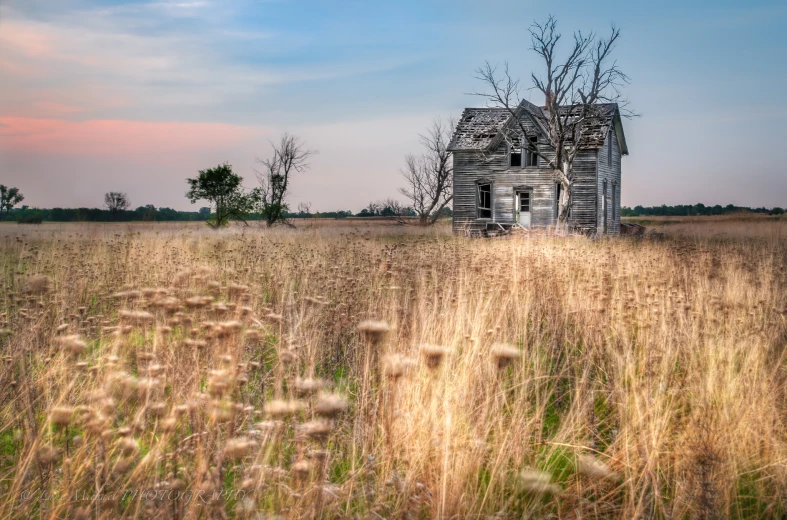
[117, 138]
[29, 39]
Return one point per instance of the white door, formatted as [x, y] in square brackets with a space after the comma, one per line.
[523, 208]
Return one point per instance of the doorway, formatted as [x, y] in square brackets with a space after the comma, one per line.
[523, 200]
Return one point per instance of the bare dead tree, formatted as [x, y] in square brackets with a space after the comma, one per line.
[574, 90]
[289, 156]
[116, 202]
[430, 176]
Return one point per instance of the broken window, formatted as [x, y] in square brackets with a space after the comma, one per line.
[531, 158]
[484, 202]
[515, 158]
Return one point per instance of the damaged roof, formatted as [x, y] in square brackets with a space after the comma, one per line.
[481, 128]
[477, 127]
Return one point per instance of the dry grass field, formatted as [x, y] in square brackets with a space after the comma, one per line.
[373, 371]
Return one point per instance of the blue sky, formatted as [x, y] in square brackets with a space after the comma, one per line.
[135, 96]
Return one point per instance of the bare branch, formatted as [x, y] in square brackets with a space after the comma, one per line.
[574, 88]
[290, 156]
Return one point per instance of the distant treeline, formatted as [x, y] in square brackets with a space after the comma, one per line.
[685, 210]
[150, 213]
[145, 213]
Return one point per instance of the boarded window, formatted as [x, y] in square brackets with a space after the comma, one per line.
[614, 203]
[604, 206]
[484, 203]
[609, 148]
[531, 159]
[515, 158]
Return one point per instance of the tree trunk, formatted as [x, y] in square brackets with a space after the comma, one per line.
[423, 220]
[564, 200]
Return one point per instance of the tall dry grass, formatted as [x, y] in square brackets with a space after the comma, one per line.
[174, 372]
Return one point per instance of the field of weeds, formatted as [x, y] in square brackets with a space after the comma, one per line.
[373, 372]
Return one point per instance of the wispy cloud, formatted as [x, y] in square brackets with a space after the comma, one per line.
[147, 55]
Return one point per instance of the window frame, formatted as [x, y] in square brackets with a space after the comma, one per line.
[478, 207]
[529, 201]
[530, 156]
[511, 154]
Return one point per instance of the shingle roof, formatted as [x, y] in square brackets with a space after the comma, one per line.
[478, 127]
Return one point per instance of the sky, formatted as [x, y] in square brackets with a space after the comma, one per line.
[138, 95]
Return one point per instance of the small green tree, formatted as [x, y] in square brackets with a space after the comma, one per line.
[222, 188]
[9, 197]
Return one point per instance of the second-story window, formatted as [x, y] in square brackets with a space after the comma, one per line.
[515, 158]
[531, 158]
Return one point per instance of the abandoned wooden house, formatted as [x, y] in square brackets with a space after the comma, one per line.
[500, 184]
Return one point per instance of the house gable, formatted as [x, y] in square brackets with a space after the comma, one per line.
[483, 129]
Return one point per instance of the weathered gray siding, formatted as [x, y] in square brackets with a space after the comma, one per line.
[612, 174]
[583, 195]
[471, 168]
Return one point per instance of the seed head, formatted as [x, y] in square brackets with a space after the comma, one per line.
[317, 430]
[505, 354]
[373, 331]
[38, 284]
[218, 382]
[287, 356]
[330, 405]
[62, 415]
[197, 302]
[537, 482]
[237, 448]
[301, 469]
[123, 465]
[73, 343]
[280, 409]
[127, 295]
[308, 387]
[128, 446]
[136, 317]
[396, 365]
[595, 469]
[433, 355]
[47, 455]
[169, 424]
